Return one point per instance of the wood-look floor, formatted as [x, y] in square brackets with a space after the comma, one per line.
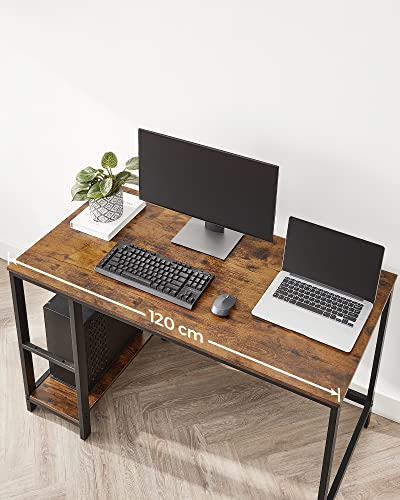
[176, 425]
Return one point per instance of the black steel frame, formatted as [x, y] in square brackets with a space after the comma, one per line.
[366, 401]
[27, 348]
[79, 367]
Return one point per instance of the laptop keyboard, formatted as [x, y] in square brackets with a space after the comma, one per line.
[318, 300]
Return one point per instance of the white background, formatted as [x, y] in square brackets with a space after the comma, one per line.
[312, 86]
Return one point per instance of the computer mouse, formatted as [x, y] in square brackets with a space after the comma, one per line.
[223, 304]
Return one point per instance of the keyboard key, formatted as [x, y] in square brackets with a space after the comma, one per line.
[308, 307]
[134, 277]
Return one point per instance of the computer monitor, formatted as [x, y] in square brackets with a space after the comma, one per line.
[226, 194]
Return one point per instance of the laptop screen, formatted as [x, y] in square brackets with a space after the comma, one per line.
[333, 258]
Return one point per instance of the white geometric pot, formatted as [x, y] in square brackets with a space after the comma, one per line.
[107, 209]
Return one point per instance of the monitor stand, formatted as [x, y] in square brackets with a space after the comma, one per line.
[208, 238]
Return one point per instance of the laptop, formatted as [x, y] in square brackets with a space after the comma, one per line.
[327, 285]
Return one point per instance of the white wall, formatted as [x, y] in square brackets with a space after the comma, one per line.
[313, 86]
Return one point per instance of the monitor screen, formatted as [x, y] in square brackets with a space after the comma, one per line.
[223, 188]
[332, 258]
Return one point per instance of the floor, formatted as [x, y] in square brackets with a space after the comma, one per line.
[176, 425]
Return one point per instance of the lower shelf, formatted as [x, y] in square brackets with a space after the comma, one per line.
[61, 399]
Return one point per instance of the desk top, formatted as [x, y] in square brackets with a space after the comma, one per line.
[246, 273]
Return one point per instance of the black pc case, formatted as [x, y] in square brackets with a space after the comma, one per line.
[105, 339]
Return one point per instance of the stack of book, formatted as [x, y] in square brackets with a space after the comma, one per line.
[107, 230]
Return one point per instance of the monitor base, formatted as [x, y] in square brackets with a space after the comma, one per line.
[196, 235]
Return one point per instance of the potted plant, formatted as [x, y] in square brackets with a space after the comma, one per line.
[103, 188]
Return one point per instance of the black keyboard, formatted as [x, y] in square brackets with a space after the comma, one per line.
[148, 271]
[318, 300]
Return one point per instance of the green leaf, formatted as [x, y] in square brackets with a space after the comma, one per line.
[132, 164]
[80, 196]
[106, 186]
[115, 189]
[122, 176]
[94, 191]
[133, 178]
[77, 187]
[86, 175]
[109, 160]
[89, 170]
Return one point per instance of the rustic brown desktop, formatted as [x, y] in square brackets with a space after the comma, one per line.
[63, 261]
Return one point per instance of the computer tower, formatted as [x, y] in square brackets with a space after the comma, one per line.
[105, 339]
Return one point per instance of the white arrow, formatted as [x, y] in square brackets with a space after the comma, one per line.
[331, 391]
[15, 261]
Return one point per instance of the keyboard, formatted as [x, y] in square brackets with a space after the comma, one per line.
[318, 300]
[153, 273]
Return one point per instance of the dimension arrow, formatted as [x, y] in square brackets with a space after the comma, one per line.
[15, 261]
[331, 391]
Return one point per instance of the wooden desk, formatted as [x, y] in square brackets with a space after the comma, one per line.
[247, 272]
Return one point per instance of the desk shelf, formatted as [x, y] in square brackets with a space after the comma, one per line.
[62, 399]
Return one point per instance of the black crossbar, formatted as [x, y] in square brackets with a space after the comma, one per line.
[356, 397]
[57, 360]
[42, 378]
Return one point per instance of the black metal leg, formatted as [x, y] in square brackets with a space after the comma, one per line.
[81, 370]
[377, 357]
[368, 419]
[348, 453]
[21, 321]
[329, 452]
[364, 400]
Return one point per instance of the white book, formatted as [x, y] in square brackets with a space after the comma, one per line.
[107, 230]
